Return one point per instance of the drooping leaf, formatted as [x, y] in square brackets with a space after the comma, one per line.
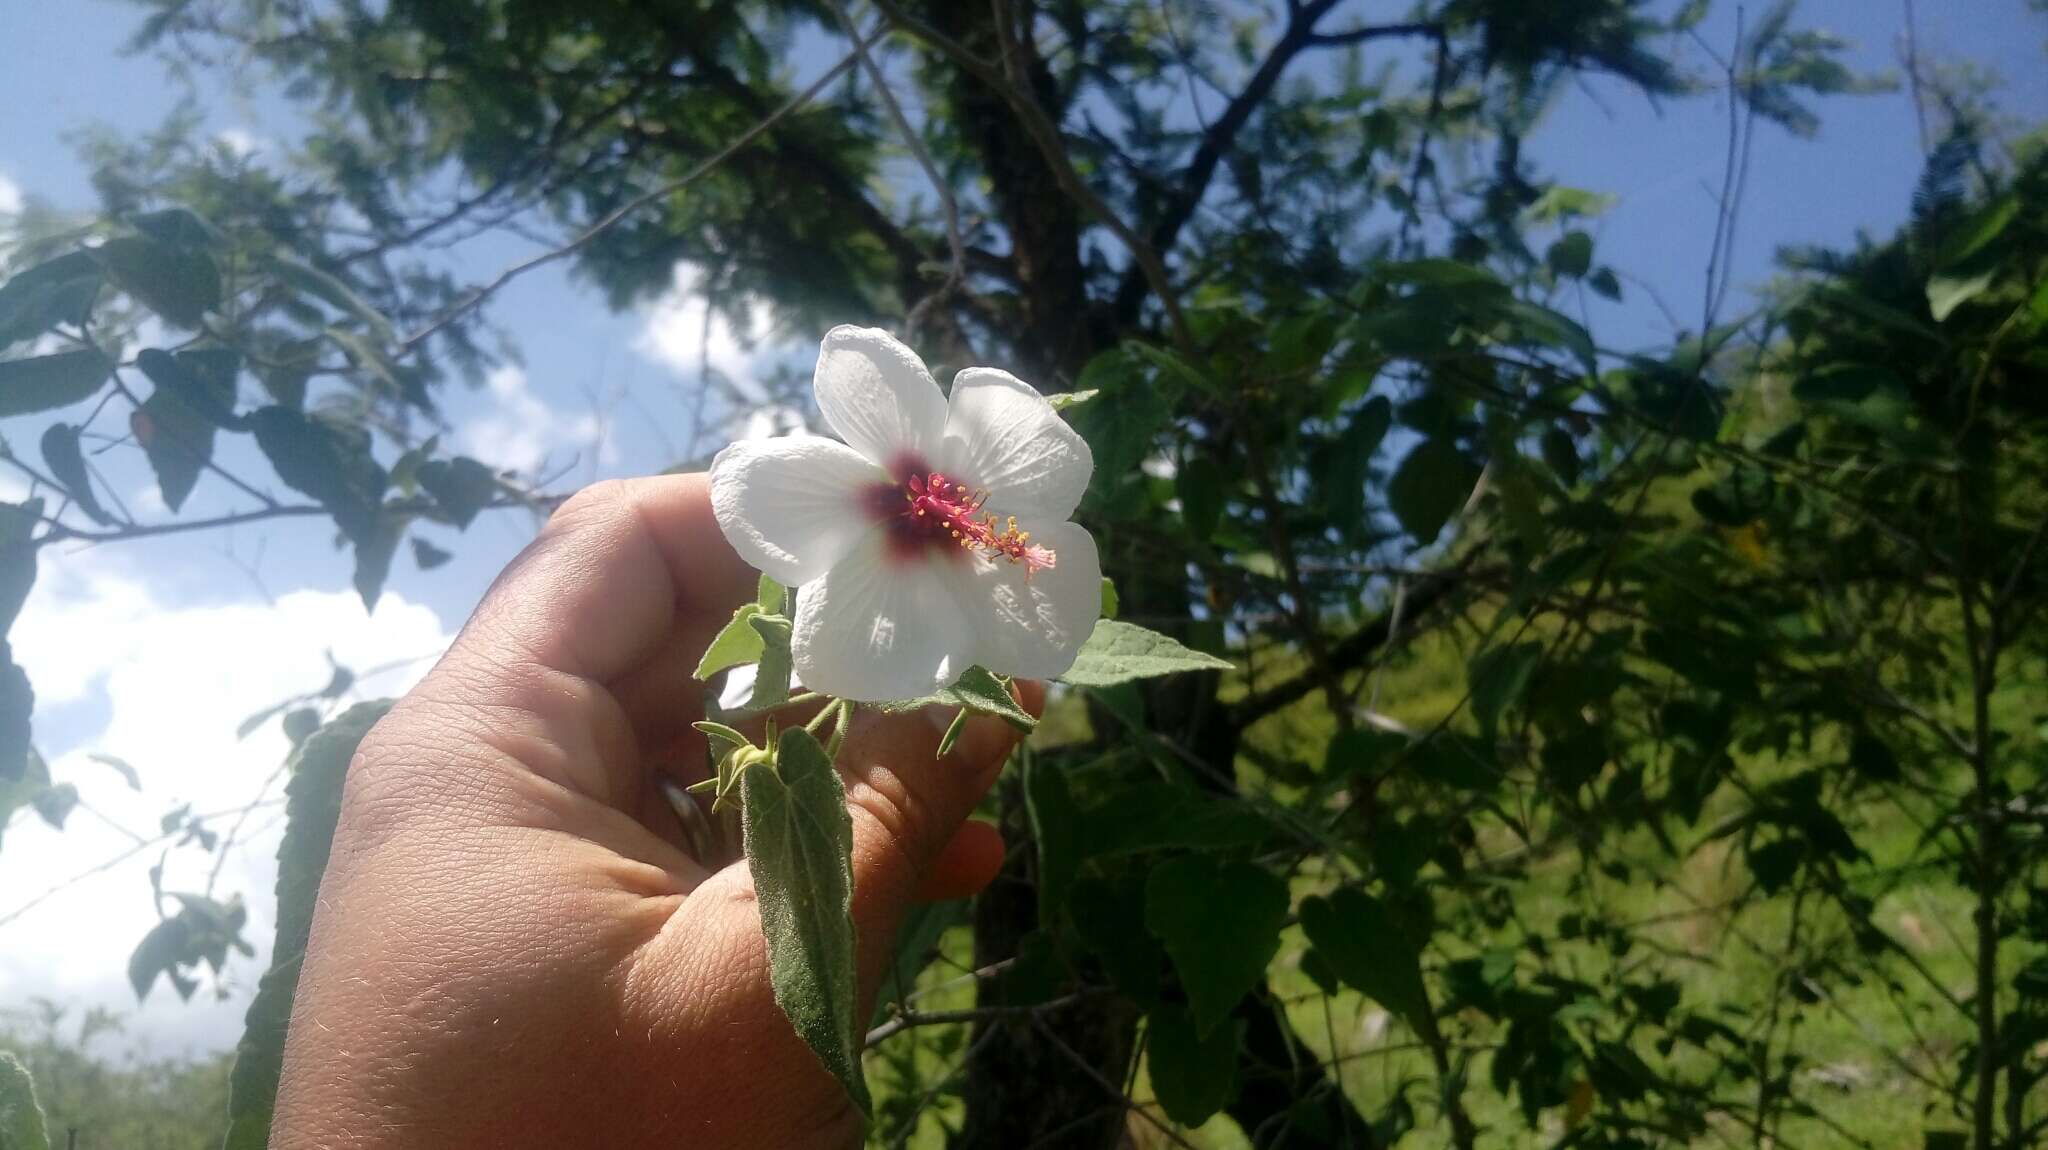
[1109, 605]
[47, 381]
[321, 285]
[978, 690]
[1946, 293]
[67, 466]
[327, 460]
[179, 227]
[1429, 487]
[21, 1116]
[460, 487]
[312, 807]
[209, 390]
[1220, 922]
[798, 839]
[177, 437]
[57, 291]
[1120, 652]
[1343, 473]
[203, 931]
[427, 556]
[179, 284]
[1370, 951]
[1497, 677]
[120, 766]
[1194, 1073]
[1571, 255]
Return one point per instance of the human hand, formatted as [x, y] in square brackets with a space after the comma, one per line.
[511, 949]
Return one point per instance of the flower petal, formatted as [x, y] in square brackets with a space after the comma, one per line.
[1032, 628]
[881, 627]
[876, 394]
[792, 506]
[1002, 436]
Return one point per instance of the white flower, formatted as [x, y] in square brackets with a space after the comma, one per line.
[935, 538]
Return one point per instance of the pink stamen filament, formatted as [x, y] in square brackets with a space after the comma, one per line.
[939, 504]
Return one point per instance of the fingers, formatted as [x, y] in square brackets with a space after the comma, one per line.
[909, 805]
[966, 865]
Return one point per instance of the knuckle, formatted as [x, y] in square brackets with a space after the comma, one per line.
[601, 502]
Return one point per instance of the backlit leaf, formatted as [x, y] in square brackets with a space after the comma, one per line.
[46, 381]
[1220, 921]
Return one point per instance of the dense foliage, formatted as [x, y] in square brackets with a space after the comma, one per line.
[1623, 748]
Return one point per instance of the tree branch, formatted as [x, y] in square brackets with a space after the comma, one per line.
[1347, 653]
[1221, 135]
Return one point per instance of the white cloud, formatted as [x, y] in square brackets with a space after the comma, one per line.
[673, 333]
[519, 430]
[11, 198]
[173, 682]
[241, 142]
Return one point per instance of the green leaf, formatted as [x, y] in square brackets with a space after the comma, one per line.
[1109, 919]
[1846, 383]
[179, 284]
[21, 1117]
[1109, 599]
[1363, 944]
[17, 707]
[1976, 233]
[1193, 1075]
[1057, 830]
[177, 438]
[331, 462]
[17, 557]
[1061, 401]
[770, 596]
[312, 806]
[314, 282]
[772, 673]
[1201, 485]
[426, 556]
[1562, 203]
[47, 381]
[983, 692]
[737, 643]
[120, 766]
[461, 487]
[1571, 255]
[1120, 652]
[1872, 758]
[1429, 487]
[1946, 293]
[209, 392]
[798, 839]
[53, 292]
[179, 227]
[67, 466]
[1497, 678]
[1220, 922]
[1604, 284]
[1561, 455]
[1348, 464]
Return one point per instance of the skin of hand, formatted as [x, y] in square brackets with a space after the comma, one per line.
[510, 949]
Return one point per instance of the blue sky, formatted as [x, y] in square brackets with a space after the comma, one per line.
[155, 651]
